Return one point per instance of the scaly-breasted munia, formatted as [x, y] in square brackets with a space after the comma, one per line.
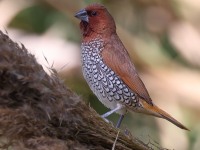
[108, 69]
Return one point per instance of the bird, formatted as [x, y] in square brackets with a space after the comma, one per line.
[109, 70]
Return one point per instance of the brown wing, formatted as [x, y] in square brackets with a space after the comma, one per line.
[117, 58]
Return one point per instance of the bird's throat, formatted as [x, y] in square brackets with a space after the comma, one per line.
[84, 26]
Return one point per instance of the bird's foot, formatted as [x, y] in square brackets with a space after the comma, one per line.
[128, 133]
[106, 120]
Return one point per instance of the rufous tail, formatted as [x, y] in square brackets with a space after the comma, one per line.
[155, 111]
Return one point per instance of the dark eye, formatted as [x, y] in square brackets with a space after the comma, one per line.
[93, 13]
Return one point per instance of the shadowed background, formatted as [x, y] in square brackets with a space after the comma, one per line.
[162, 38]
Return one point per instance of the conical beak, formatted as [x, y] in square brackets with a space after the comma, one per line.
[82, 15]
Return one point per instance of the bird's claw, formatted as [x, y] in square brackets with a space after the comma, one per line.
[106, 120]
[128, 133]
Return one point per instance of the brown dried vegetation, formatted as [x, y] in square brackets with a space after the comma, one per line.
[37, 111]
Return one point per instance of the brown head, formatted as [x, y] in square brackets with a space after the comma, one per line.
[95, 21]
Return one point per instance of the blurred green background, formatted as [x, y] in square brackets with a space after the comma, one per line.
[163, 39]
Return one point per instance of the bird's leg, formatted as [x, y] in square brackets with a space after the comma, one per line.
[119, 121]
[112, 111]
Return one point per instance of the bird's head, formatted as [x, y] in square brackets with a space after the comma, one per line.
[96, 20]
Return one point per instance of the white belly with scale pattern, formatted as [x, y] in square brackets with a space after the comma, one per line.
[104, 83]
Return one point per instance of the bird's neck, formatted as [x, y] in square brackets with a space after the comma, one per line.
[90, 35]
